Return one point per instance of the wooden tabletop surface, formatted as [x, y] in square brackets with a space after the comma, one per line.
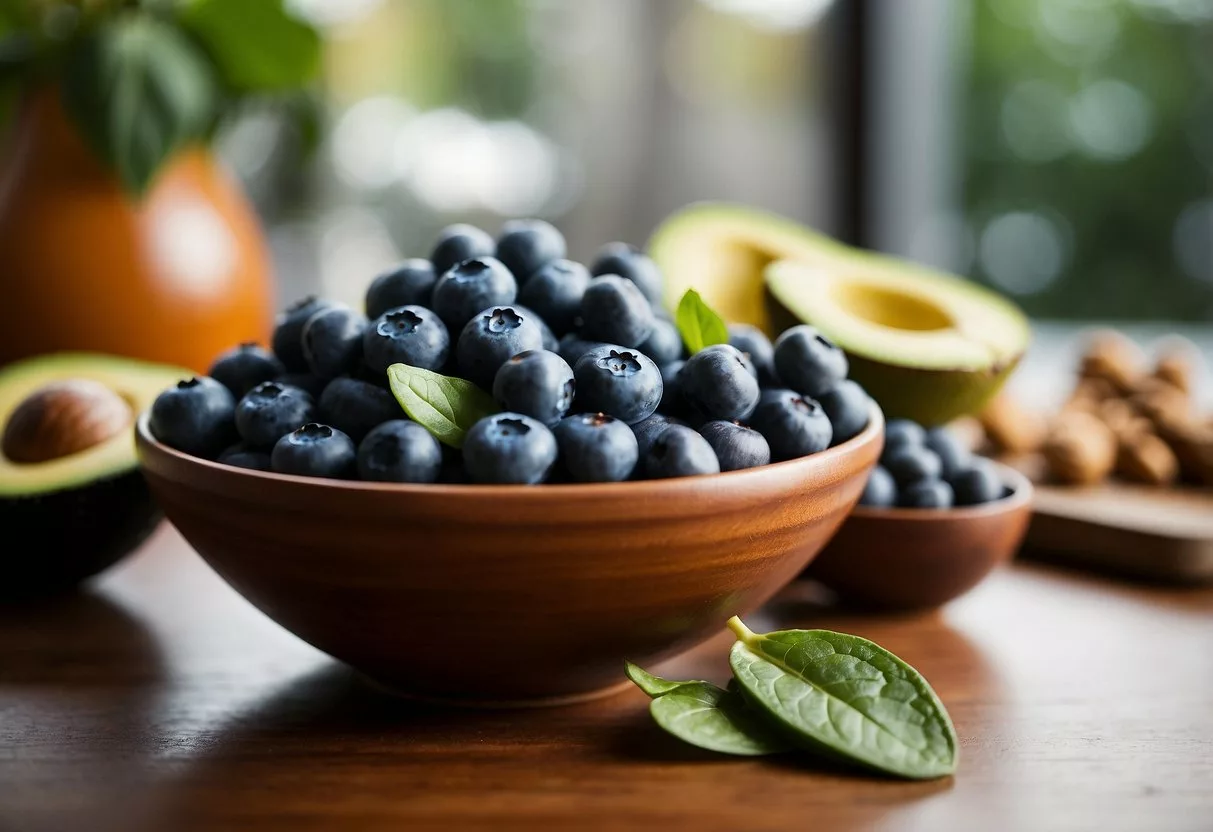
[159, 700]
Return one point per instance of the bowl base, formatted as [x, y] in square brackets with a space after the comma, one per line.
[473, 703]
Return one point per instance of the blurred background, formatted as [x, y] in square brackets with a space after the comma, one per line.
[1059, 150]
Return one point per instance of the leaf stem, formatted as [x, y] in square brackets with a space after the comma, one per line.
[743, 633]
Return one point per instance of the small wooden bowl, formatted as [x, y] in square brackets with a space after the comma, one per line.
[901, 558]
[508, 594]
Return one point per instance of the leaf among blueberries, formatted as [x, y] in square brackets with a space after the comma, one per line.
[699, 324]
[445, 406]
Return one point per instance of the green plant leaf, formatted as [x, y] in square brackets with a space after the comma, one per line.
[847, 695]
[706, 716]
[447, 407]
[137, 90]
[698, 323]
[255, 44]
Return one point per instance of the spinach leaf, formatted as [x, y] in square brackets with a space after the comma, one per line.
[698, 323]
[847, 695]
[447, 407]
[706, 716]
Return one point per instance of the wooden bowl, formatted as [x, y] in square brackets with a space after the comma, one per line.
[902, 558]
[508, 594]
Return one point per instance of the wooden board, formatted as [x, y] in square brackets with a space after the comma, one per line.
[1132, 530]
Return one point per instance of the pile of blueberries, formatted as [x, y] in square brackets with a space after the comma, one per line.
[591, 375]
[921, 468]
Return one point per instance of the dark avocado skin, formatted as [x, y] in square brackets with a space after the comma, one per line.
[55, 541]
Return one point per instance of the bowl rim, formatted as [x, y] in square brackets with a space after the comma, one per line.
[656, 489]
[1021, 495]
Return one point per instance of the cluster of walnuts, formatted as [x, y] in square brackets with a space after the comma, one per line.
[1126, 416]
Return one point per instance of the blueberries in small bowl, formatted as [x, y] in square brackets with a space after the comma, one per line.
[718, 383]
[410, 335]
[356, 407]
[595, 447]
[332, 341]
[509, 448]
[555, 292]
[679, 451]
[736, 445]
[793, 425]
[808, 362]
[399, 451]
[195, 416]
[287, 341]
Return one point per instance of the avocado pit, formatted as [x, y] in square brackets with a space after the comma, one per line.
[63, 418]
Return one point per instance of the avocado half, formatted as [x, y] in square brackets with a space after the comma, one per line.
[68, 518]
[927, 345]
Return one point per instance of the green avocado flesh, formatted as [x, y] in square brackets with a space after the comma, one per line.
[136, 381]
[927, 345]
[75, 515]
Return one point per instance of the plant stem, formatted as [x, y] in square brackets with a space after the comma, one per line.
[743, 633]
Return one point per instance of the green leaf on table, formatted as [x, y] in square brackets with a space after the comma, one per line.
[706, 716]
[847, 696]
[445, 406]
[138, 90]
[698, 323]
[256, 45]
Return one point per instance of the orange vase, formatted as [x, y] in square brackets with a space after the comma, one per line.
[175, 277]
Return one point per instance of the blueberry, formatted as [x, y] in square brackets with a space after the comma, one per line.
[355, 407]
[679, 452]
[550, 342]
[241, 455]
[509, 448]
[399, 451]
[287, 341]
[808, 362]
[490, 339]
[880, 490]
[901, 433]
[572, 347]
[664, 343]
[595, 447]
[471, 287]
[242, 368]
[849, 407]
[757, 347]
[332, 341]
[195, 417]
[628, 261]
[978, 483]
[308, 383]
[929, 493]
[555, 292]
[270, 411]
[410, 335]
[911, 463]
[718, 384]
[672, 402]
[315, 451]
[793, 425]
[613, 310]
[619, 382]
[954, 456]
[409, 284]
[647, 430]
[536, 383]
[736, 446]
[526, 246]
[457, 243]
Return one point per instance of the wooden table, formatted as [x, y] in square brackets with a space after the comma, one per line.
[161, 701]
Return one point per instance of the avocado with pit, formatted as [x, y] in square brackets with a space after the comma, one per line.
[72, 498]
[927, 345]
